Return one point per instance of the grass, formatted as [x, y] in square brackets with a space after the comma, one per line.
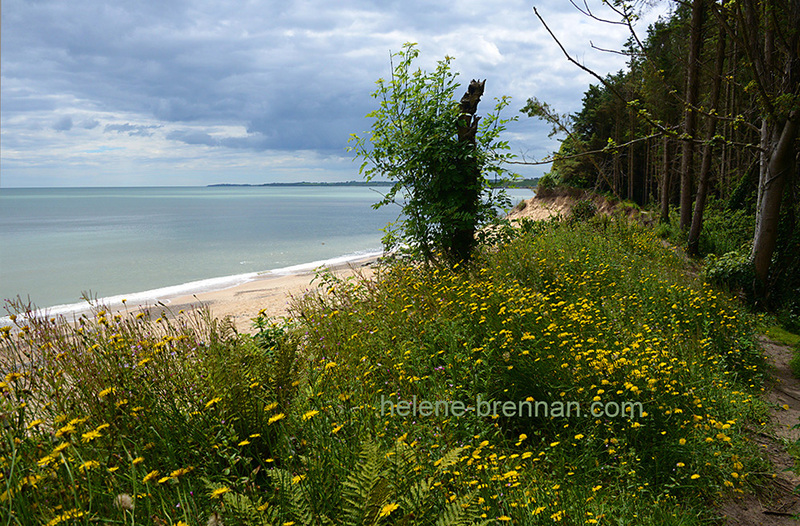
[783, 336]
[121, 420]
[787, 338]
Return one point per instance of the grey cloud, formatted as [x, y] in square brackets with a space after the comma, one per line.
[296, 75]
[199, 64]
[193, 137]
[133, 130]
[63, 124]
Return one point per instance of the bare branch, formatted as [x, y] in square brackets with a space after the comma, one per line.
[624, 53]
[557, 157]
[626, 17]
[588, 12]
[610, 87]
[583, 154]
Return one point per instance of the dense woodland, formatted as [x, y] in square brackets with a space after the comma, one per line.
[704, 122]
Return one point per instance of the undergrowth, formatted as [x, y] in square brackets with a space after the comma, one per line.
[574, 374]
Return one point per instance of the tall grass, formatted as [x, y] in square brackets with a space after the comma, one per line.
[304, 422]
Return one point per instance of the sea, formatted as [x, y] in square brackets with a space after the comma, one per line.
[59, 246]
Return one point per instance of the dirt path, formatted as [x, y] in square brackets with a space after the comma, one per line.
[776, 502]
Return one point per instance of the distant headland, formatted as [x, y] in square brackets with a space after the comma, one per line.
[307, 183]
[521, 183]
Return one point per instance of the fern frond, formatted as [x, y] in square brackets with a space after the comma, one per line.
[448, 459]
[404, 458]
[460, 512]
[251, 513]
[366, 491]
[302, 511]
[417, 497]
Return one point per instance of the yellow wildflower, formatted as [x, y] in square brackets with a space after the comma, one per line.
[213, 401]
[91, 435]
[180, 472]
[89, 464]
[387, 509]
[74, 513]
[219, 491]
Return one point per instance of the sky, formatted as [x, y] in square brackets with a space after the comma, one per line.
[151, 93]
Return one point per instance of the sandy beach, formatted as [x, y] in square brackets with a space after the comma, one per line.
[271, 293]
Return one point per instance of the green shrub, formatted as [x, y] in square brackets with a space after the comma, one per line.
[789, 313]
[664, 231]
[583, 210]
[439, 156]
[548, 181]
[725, 230]
[732, 270]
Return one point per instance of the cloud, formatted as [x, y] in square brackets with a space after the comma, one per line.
[192, 137]
[63, 124]
[264, 76]
[133, 130]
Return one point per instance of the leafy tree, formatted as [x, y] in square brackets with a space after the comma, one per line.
[712, 95]
[438, 154]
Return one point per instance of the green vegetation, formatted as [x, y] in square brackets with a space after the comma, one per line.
[793, 340]
[121, 419]
[572, 372]
[703, 120]
[783, 336]
[440, 156]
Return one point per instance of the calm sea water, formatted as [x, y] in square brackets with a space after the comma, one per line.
[56, 243]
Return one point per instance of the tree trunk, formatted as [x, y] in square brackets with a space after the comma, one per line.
[693, 247]
[767, 131]
[615, 163]
[631, 169]
[779, 169]
[467, 194]
[666, 182]
[692, 86]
